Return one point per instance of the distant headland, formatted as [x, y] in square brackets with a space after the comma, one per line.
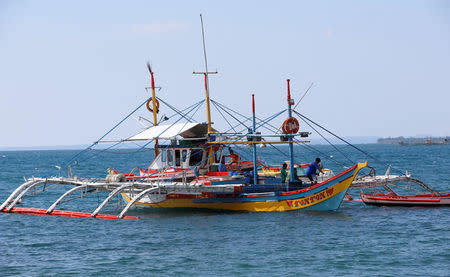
[415, 140]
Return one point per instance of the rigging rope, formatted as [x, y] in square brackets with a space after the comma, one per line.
[274, 129]
[343, 140]
[96, 142]
[334, 146]
[197, 105]
[223, 116]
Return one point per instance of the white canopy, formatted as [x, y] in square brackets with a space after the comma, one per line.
[185, 130]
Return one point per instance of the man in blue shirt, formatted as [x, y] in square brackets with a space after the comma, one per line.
[312, 169]
[222, 166]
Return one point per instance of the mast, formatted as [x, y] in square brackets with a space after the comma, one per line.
[208, 110]
[255, 171]
[155, 111]
[291, 145]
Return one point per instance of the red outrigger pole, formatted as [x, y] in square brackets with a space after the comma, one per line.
[34, 211]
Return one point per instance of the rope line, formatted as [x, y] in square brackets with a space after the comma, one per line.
[113, 128]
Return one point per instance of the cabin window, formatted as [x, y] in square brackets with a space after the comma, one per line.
[177, 157]
[163, 156]
[196, 157]
[169, 157]
[184, 155]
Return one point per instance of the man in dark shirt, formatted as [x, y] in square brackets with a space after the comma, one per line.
[283, 173]
[312, 169]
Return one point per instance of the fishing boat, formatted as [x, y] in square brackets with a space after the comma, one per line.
[189, 169]
[379, 198]
[391, 184]
[189, 172]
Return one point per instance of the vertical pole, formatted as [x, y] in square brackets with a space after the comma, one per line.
[291, 145]
[155, 119]
[208, 110]
[255, 167]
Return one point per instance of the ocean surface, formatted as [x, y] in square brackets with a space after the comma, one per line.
[354, 240]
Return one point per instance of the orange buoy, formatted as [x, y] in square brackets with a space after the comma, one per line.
[290, 126]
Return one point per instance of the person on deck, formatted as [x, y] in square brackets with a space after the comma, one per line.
[196, 172]
[235, 158]
[283, 173]
[296, 178]
[222, 166]
[312, 169]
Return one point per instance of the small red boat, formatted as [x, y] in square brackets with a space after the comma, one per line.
[392, 199]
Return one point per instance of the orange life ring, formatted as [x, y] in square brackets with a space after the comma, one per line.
[156, 104]
[290, 126]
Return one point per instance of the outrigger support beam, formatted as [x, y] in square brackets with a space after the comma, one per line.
[135, 199]
[70, 191]
[388, 188]
[110, 196]
[17, 199]
[385, 181]
[16, 192]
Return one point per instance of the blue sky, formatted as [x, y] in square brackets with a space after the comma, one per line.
[70, 69]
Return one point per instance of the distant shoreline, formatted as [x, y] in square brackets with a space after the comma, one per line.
[314, 141]
[414, 140]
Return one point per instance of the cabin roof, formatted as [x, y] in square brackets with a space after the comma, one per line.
[185, 130]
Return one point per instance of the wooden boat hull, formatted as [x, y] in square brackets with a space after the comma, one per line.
[325, 196]
[380, 199]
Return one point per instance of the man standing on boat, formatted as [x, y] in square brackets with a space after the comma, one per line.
[283, 173]
[222, 165]
[312, 169]
[235, 159]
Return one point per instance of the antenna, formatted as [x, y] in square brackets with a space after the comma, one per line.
[310, 86]
[204, 50]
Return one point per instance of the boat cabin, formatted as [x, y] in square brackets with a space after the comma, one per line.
[183, 157]
[187, 147]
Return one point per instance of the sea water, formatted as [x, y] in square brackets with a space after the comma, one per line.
[354, 240]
